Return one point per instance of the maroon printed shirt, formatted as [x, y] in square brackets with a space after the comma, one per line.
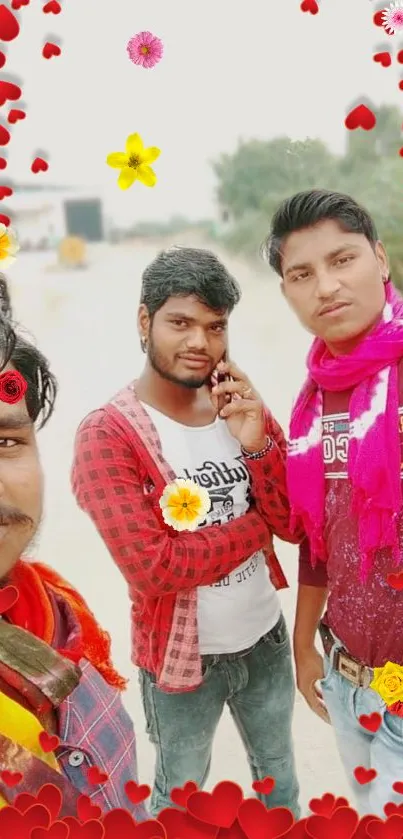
[367, 617]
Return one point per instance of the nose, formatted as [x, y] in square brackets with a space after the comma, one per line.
[327, 284]
[196, 340]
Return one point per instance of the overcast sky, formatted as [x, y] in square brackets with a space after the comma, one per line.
[259, 68]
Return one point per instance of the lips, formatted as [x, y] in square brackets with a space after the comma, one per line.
[196, 360]
[329, 310]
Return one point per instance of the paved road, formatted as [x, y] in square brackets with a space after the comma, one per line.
[86, 323]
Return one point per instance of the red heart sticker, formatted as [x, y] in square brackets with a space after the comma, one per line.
[180, 795]
[137, 793]
[5, 135]
[13, 823]
[341, 825]
[50, 797]
[371, 721]
[180, 823]
[5, 192]
[89, 830]
[298, 831]
[8, 595]
[8, 90]
[48, 742]
[53, 7]
[15, 114]
[3, 163]
[5, 220]
[398, 787]
[309, 6]
[58, 830]
[50, 50]
[119, 823]
[326, 805]
[395, 581]
[11, 779]
[390, 809]
[96, 777]
[265, 786]
[24, 801]
[383, 58]
[219, 807]
[3, 59]
[87, 811]
[378, 18]
[361, 832]
[9, 26]
[17, 4]
[360, 117]
[364, 776]
[392, 829]
[39, 165]
[259, 823]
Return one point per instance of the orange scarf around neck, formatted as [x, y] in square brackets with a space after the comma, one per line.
[33, 612]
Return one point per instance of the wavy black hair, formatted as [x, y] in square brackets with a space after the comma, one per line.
[182, 272]
[25, 357]
[305, 209]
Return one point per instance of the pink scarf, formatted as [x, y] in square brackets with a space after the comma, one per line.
[374, 446]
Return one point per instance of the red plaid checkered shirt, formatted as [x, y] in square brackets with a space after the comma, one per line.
[118, 476]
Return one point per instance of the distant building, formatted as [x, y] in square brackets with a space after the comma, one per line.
[42, 218]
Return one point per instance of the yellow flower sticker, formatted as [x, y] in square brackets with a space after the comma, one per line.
[9, 246]
[134, 163]
[184, 504]
[388, 682]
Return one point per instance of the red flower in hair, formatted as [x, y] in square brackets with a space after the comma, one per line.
[13, 387]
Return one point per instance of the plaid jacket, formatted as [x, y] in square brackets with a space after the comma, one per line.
[94, 730]
[118, 477]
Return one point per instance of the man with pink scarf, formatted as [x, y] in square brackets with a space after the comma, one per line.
[344, 479]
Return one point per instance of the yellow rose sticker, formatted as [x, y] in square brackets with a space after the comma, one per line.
[388, 682]
[184, 504]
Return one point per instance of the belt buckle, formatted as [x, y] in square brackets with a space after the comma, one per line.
[351, 670]
[356, 673]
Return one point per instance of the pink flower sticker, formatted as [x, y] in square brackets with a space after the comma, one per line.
[145, 49]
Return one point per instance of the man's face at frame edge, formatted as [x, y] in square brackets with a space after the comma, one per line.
[333, 280]
[185, 340]
[21, 484]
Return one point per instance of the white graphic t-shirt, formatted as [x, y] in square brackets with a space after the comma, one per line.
[236, 611]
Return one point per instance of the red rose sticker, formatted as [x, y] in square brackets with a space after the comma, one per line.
[13, 387]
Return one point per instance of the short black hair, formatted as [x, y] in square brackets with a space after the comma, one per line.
[305, 209]
[181, 272]
[25, 357]
[5, 299]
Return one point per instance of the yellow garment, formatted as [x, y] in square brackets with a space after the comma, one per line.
[23, 728]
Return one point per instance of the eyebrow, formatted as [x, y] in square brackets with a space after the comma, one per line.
[331, 255]
[15, 422]
[182, 316]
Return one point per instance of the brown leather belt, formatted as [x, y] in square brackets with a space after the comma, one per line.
[355, 671]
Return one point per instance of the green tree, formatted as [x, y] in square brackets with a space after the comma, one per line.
[259, 175]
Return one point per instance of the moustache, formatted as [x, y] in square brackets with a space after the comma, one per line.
[10, 515]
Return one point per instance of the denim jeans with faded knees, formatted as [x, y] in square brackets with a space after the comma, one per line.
[259, 690]
[382, 751]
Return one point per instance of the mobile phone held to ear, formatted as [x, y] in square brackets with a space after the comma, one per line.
[223, 399]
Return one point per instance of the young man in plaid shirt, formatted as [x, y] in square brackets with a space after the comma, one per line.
[207, 622]
[61, 712]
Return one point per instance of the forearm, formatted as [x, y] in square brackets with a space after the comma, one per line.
[311, 602]
[269, 492]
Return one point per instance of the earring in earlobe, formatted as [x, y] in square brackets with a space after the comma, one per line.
[143, 343]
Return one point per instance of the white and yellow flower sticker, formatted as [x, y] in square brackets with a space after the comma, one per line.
[9, 246]
[184, 504]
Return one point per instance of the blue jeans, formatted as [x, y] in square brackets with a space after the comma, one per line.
[382, 751]
[259, 689]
